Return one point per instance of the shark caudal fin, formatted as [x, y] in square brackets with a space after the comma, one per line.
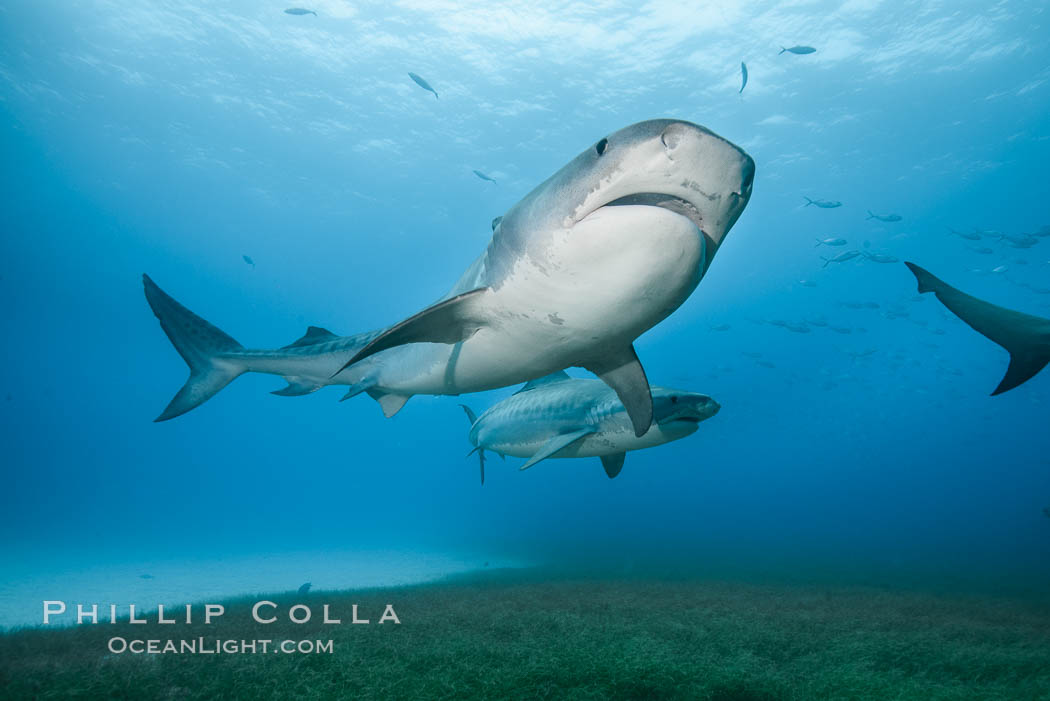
[199, 343]
[1026, 337]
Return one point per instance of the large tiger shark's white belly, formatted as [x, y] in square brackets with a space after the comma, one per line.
[595, 286]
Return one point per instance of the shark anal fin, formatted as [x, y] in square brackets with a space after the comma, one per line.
[624, 373]
[389, 403]
[297, 387]
[613, 464]
[1023, 367]
[450, 321]
[552, 446]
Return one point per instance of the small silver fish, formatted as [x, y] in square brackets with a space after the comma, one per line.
[800, 50]
[890, 218]
[422, 83]
[823, 204]
[299, 11]
[831, 242]
[841, 258]
[484, 177]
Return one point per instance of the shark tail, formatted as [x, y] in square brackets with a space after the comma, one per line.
[1029, 349]
[200, 344]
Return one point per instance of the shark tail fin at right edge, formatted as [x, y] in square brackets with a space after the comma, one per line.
[199, 343]
[928, 282]
[1022, 335]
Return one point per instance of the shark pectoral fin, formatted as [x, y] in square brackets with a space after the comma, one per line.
[388, 402]
[450, 321]
[297, 387]
[562, 440]
[613, 464]
[1023, 367]
[623, 372]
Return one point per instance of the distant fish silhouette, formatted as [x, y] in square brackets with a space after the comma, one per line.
[145, 576]
[299, 11]
[841, 258]
[798, 50]
[1026, 337]
[965, 235]
[422, 83]
[823, 204]
[484, 177]
[305, 589]
[743, 75]
[885, 217]
[248, 260]
[1046, 511]
[880, 258]
[830, 242]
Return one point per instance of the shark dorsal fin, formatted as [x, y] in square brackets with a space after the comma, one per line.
[313, 335]
[550, 379]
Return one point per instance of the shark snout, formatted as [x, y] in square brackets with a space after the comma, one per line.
[747, 176]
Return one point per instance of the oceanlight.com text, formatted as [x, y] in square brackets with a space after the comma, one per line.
[204, 646]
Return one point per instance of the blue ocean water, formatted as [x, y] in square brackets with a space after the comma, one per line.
[176, 137]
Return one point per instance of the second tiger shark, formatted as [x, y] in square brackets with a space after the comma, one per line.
[593, 257]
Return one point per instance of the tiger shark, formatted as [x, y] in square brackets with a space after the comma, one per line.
[1026, 337]
[562, 417]
[593, 257]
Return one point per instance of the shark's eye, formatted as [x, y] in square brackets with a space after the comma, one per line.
[674, 399]
[601, 146]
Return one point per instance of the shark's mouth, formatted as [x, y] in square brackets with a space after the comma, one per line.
[691, 418]
[669, 202]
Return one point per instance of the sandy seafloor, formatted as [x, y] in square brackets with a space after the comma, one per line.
[73, 578]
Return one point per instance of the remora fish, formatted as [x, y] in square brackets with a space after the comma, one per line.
[1026, 337]
[801, 50]
[299, 11]
[823, 204]
[743, 76]
[484, 177]
[889, 218]
[562, 417]
[422, 83]
[602, 251]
